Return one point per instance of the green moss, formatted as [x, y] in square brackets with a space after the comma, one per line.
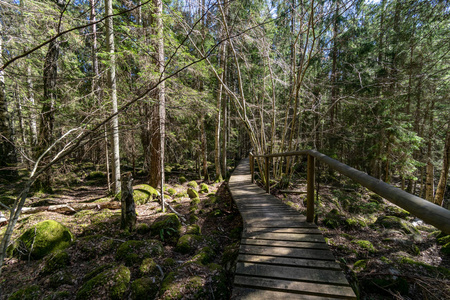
[396, 211]
[443, 240]
[167, 227]
[229, 256]
[182, 179]
[113, 281]
[193, 219]
[44, 238]
[181, 195]
[96, 271]
[360, 265]
[193, 229]
[366, 245]
[144, 288]
[192, 193]
[30, 292]
[205, 256]
[204, 188]
[132, 252]
[169, 262]
[194, 202]
[446, 249]
[195, 287]
[432, 269]
[333, 219]
[56, 262]
[355, 223]
[143, 228]
[148, 267]
[168, 288]
[96, 175]
[392, 222]
[192, 184]
[171, 191]
[188, 243]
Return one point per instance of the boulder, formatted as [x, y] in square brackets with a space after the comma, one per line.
[109, 284]
[44, 238]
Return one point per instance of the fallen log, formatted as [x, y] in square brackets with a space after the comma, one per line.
[71, 208]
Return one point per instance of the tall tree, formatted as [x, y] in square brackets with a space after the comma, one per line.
[113, 94]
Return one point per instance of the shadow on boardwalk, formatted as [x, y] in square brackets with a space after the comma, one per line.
[281, 255]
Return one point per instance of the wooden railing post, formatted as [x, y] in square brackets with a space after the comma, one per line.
[267, 175]
[252, 167]
[310, 179]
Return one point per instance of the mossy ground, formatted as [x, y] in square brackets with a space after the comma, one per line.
[97, 238]
[385, 252]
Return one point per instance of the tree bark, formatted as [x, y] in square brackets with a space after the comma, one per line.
[440, 190]
[429, 190]
[113, 91]
[128, 208]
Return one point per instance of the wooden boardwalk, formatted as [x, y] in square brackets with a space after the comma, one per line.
[281, 255]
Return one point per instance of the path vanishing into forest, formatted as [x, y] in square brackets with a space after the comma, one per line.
[281, 255]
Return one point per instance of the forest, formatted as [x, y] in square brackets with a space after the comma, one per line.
[171, 95]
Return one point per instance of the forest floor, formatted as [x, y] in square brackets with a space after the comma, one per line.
[98, 237]
[384, 252]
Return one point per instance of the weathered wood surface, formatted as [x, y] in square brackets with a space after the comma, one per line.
[281, 255]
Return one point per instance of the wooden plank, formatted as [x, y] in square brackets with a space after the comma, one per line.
[283, 230]
[289, 244]
[260, 294]
[291, 273]
[301, 237]
[286, 261]
[316, 289]
[287, 252]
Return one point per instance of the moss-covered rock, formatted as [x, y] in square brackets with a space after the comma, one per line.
[168, 287]
[92, 246]
[144, 193]
[193, 288]
[167, 227]
[365, 245]
[192, 184]
[435, 271]
[392, 222]
[148, 267]
[132, 252]
[44, 238]
[204, 188]
[58, 295]
[360, 265]
[144, 288]
[193, 219]
[182, 179]
[30, 292]
[188, 243]
[443, 239]
[169, 262]
[354, 223]
[112, 282]
[193, 229]
[393, 210]
[205, 256]
[171, 191]
[56, 261]
[143, 228]
[194, 202]
[192, 193]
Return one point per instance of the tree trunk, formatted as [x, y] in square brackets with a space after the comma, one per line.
[128, 208]
[33, 125]
[7, 151]
[429, 190]
[440, 190]
[113, 91]
[218, 119]
[204, 149]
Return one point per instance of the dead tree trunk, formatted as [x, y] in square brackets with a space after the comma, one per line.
[128, 219]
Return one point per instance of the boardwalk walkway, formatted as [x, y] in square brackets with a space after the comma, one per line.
[281, 255]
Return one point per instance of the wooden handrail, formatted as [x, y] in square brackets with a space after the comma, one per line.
[429, 212]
